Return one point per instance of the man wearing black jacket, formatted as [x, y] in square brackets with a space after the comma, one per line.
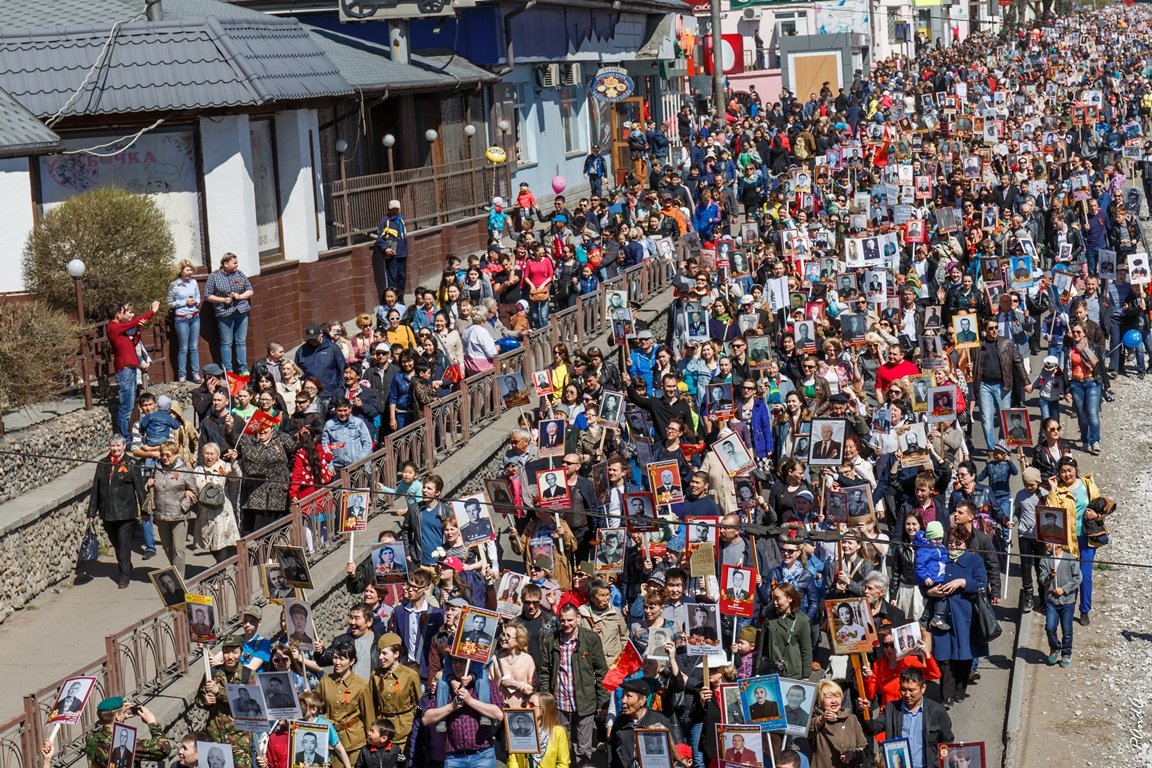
[923, 722]
[663, 409]
[116, 498]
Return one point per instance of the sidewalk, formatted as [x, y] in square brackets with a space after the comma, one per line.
[41, 644]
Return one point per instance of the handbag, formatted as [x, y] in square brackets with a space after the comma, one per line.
[540, 295]
[986, 627]
[89, 546]
[211, 495]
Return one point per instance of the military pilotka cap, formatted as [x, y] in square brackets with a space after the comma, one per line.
[232, 641]
[388, 639]
[253, 611]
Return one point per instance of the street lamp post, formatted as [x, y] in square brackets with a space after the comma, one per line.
[342, 151]
[430, 136]
[504, 126]
[717, 59]
[469, 133]
[76, 269]
[389, 141]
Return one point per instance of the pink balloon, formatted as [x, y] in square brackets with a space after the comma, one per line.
[559, 183]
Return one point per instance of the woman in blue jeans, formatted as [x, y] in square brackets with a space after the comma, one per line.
[1073, 494]
[1085, 384]
[184, 298]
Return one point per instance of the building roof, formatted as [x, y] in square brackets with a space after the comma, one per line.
[203, 55]
[21, 133]
[368, 66]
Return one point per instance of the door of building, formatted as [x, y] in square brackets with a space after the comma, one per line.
[630, 110]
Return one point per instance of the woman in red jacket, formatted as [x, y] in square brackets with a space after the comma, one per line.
[882, 681]
[311, 470]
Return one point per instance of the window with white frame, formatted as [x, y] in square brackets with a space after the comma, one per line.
[570, 117]
[522, 135]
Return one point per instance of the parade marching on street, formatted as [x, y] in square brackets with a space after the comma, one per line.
[864, 487]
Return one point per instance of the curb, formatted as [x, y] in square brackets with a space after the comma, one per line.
[1016, 693]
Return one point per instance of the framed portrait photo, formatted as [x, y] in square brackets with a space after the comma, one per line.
[640, 512]
[850, 625]
[836, 507]
[552, 489]
[614, 300]
[653, 748]
[966, 330]
[508, 591]
[827, 446]
[1052, 525]
[552, 434]
[1017, 427]
[513, 393]
[499, 490]
[665, 482]
[761, 698]
[732, 709]
[70, 700]
[542, 383]
[354, 511]
[308, 746]
[740, 746]
[298, 624]
[703, 630]
[276, 589]
[858, 503]
[611, 408]
[737, 590]
[475, 634]
[201, 618]
[247, 703]
[962, 755]
[734, 456]
[942, 404]
[520, 733]
[389, 562]
[909, 638]
[611, 544]
[293, 565]
[219, 755]
[122, 750]
[169, 586]
[897, 753]
[799, 702]
[696, 321]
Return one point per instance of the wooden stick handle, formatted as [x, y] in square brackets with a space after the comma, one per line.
[860, 684]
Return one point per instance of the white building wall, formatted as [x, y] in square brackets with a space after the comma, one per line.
[16, 220]
[301, 204]
[229, 196]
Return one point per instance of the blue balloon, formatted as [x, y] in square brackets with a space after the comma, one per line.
[1133, 339]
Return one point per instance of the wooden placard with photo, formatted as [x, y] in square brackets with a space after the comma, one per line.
[896, 753]
[272, 582]
[640, 513]
[389, 563]
[737, 590]
[858, 504]
[611, 545]
[70, 701]
[700, 530]
[513, 393]
[309, 745]
[247, 705]
[499, 490]
[759, 350]
[665, 482]
[920, 386]
[761, 699]
[552, 489]
[475, 634]
[908, 638]
[170, 587]
[719, 400]
[827, 444]
[835, 507]
[520, 733]
[850, 625]
[508, 591]
[542, 383]
[932, 357]
[703, 631]
[734, 456]
[552, 432]
[962, 754]
[1017, 427]
[1054, 525]
[122, 750]
[966, 330]
[732, 709]
[942, 404]
[614, 300]
[201, 618]
[293, 564]
[353, 511]
[740, 746]
[993, 289]
[653, 748]
[696, 322]
[219, 754]
[799, 703]
[611, 408]
[912, 444]
[298, 624]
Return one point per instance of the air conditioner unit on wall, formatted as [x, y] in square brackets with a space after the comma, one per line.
[570, 73]
[548, 75]
[751, 14]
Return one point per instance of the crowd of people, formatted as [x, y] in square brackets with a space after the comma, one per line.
[776, 533]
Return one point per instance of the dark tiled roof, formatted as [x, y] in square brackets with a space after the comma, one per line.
[189, 61]
[368, 66]
[20, 132]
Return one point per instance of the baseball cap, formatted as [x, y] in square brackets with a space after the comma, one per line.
[213, 370]
[393, 204]
[746, 299]
[253, 611]
[454, 563]
[381, 347]
[645, 335]
[1051, 362]
[312, 332]
[458, 602]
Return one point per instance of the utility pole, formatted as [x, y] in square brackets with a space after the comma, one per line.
[717, 60]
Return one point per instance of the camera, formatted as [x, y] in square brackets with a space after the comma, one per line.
[458, 701]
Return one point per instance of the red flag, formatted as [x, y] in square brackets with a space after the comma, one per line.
[259, 420]
[880, 155]
[627, 662]
[236, 382]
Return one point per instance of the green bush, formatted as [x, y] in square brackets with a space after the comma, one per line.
[123, 239]
[37, 349]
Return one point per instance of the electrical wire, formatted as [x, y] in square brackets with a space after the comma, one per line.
[753, 529]
[131, 140]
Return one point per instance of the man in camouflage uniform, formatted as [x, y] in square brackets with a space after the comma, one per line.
[213, 697]
[110, 711]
